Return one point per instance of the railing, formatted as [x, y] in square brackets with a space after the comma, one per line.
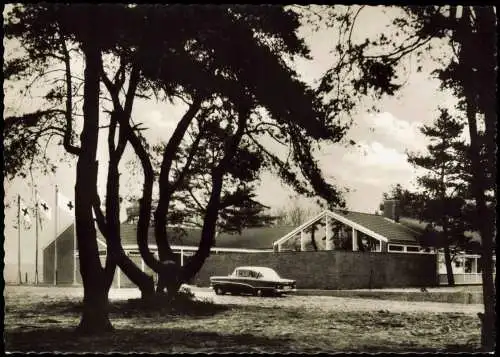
[463, 278]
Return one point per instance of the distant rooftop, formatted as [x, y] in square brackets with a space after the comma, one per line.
[250, 238]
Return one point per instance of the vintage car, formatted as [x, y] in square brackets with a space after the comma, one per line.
[252, 280]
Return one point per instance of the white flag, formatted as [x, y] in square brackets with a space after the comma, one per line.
[25, 215]
[65, 204]
[44, 209]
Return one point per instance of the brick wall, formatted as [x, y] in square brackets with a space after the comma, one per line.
[332, 269]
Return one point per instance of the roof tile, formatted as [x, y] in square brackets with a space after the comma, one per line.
[250, 238]
[393, 231]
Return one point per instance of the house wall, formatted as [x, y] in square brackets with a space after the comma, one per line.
[312, 270]
[65, 259]
[120, 279]
[65, 246]
[48, 264]
[333, 269]
[124, 281]
[103, 262]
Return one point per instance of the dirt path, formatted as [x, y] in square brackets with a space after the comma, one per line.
[321, 303]
[330, 303]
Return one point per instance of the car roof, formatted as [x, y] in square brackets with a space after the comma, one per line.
[259, 269]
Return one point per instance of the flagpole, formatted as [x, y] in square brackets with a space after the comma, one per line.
[75, 249]
[36, 237]
[55, 234]
[19, 239]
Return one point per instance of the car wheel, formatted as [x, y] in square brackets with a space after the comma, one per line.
[259, 292]
[219, 291]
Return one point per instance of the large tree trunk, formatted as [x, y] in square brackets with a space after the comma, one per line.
[145, 205]
[487, 22]
[449, 266]
[488, 329]
[447, 256]
[143, 281]
[171, 281]
[208, 231]
[110, 226]
[95, 318]
[475, 101]
[194, 264]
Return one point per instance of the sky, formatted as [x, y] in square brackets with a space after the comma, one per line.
[367, 170]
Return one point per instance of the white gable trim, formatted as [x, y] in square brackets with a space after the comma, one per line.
[299, 228]
[357, 226]
[339, 218]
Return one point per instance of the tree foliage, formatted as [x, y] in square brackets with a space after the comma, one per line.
[470, 70]
[166, 52]
[445, 189]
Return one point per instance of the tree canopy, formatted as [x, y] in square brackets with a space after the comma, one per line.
[230, 84]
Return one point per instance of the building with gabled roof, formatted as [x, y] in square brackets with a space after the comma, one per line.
[183, 241]
[330, 230]
[342, 229]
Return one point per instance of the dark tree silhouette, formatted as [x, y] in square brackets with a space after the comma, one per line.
[444, 187]
[171, 50]
[470, 71]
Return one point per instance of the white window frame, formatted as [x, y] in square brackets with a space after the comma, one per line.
[405, 249]
[412, 246]
[389, 246]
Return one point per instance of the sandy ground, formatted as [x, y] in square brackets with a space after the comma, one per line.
[322, 303]
[43, 319]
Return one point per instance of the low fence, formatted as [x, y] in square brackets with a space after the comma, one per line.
[463, 278]
[332, 269]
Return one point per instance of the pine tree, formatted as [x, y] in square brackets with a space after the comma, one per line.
[443, 184]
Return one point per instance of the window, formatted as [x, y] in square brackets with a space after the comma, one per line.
[395, 248]
[244, 273]
[468, 265]
[413, 249]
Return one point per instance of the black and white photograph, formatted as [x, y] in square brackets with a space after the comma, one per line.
[237, 178]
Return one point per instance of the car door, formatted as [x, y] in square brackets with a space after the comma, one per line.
[245, 279]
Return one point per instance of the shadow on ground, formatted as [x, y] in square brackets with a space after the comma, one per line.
[184, 307]
[46, 324]
[137, 340]
[169, 340]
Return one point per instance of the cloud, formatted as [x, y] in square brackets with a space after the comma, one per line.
[377, 155]
[155, 118]
[397, 131]
[370, 163]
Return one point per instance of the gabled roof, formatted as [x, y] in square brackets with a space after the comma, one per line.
[250, 238]
[396, 233]
[375, 226]
[253, 238]
[420, 226]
